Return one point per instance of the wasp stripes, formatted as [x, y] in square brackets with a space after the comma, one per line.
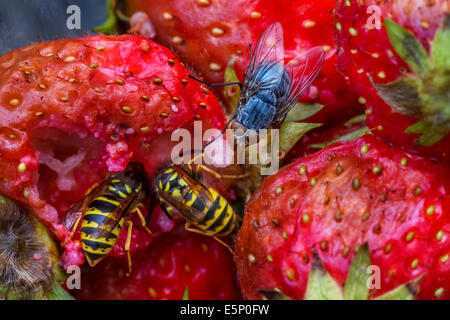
[203, 207]
[100, 210]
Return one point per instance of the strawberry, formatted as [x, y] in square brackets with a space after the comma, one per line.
[337, 200]
[395, 55]
[175, 261]
[208, 34]
[70, 110]
[322, 137]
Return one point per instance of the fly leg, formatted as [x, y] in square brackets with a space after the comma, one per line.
[127, 246]
[217, 84]
[191, 229]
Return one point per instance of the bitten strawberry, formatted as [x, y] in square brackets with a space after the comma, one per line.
[209, 34]
[337, 200]
[72, 109]
[395, 54]
[175, 261]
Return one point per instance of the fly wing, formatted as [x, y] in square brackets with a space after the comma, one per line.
[269, 50]
[302, 71]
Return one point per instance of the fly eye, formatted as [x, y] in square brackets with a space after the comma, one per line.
[238, 129]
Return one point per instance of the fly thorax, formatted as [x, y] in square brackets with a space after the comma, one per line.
[274, 77]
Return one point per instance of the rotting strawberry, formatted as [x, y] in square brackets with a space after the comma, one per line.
[336, 200]
[395, 55]
[72, 109]
[209, 34]
[174, 261]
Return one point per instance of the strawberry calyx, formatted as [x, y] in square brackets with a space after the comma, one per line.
[109, 27]
[29, 268]
[424, 93]
[321, 286]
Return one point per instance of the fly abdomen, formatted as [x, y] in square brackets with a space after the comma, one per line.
[256, 114]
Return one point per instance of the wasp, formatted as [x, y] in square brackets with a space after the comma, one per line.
[104, 209]
[271, 87]
[206, 212]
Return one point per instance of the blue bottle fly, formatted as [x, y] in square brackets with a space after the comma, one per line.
[271, 87]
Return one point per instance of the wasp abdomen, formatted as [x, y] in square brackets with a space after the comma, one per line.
[100, 210]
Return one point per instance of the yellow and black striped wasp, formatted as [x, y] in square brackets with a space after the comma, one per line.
[102, 212]
[205, 210]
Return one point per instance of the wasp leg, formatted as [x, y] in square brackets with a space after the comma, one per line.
[127, 246]
[75, 227]
[150, 209]
[221, 176]
[164, 209]
[191, 229]
[143, 220]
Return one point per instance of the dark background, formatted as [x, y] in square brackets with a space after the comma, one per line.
[24, 22]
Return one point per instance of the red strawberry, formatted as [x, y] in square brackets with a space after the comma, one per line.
[334, 201]
[174, 261]
[321, 137]
[208, 34]
[407, 60]
[72, 109]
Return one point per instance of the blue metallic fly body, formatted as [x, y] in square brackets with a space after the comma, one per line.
[271, 87]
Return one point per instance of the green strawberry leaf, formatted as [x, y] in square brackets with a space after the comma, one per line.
[419, 127]
[186, 294]
[432, 135]
[231, 93]
[356, 120]
[292, 132]
[346, 137]
[275, 294]
[408, 47]
[356, 285]
[402, 95]
[302, 111]
[320, 284]
[440, 49]
[407, 291]
[58, 293]
[110, 25]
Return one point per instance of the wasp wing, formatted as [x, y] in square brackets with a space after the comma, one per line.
[302, 71]
[268, 53]
[76, 209]
[190, 213]
[111, 222]
[197, 187]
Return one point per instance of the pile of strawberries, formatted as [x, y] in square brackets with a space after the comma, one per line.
[375, 175]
